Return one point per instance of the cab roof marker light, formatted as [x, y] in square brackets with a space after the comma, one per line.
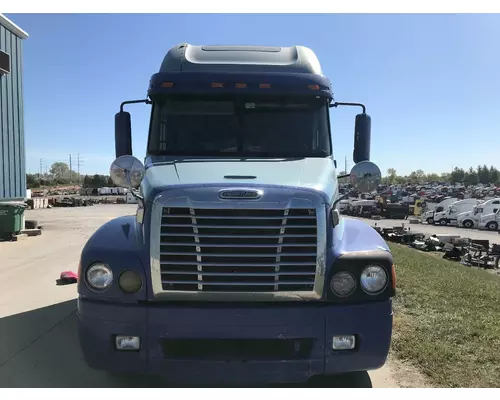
[265, 86]
[313, 87]
[240, 86]
[167, 84]
[217, 85]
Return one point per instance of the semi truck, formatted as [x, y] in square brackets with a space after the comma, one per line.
[237, 267]
[490, 221]
[470, 219]
[450, 215]
[441, 207]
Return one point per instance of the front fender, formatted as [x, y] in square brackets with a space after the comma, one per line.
[354, 235]
[354, 245]
[120, 244]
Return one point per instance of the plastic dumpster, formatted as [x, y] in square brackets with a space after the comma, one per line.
[11, 219]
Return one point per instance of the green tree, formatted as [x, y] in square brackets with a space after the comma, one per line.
[59, 171]
[483, 174]
[458, 175]
[471, 176]
[32, 181]
[391, 175]
[494, 175]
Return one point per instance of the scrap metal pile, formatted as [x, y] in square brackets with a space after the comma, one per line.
[469, 252]
[71, 202]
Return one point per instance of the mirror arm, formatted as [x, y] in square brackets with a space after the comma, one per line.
[339, 200]
[136, 194]
[347, 194]
[343, 176]
[146, 101]
[336, 104]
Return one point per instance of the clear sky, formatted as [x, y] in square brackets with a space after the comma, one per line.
[431, 82]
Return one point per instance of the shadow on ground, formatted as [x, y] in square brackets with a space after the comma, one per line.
[40, 348]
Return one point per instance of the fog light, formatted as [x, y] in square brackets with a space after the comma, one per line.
[346, 342]
[128, 342]
[130, 282]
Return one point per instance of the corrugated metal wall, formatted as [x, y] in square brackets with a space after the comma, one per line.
[12, 154]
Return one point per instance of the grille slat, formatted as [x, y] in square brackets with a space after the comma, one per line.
[228, 250]
[215, 236]
[249, 283]
[268, 255]
[223, 245]
[225, 217]
[208, 264]
[205, 273]
[200, 226]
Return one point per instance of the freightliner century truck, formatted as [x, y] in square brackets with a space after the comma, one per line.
[237, 268]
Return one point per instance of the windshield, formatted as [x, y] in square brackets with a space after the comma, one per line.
[237, 126]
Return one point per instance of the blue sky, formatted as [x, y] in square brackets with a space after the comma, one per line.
[431, 83]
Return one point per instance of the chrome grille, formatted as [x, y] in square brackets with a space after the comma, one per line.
[238, 250]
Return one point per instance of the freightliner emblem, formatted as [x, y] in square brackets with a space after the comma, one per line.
[240, 194]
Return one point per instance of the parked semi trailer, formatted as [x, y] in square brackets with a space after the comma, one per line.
[237, 267]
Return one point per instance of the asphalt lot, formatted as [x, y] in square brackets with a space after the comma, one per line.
[39, 345]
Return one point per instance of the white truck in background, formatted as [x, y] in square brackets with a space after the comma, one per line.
[428, 215]
[471, 219]
[490, 221]
[451, 214]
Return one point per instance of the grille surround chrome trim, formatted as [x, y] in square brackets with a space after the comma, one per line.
[208, 198]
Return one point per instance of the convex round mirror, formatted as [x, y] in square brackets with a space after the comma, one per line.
[127, 171]
[365, 176]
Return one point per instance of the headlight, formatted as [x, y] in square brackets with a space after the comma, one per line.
[373, 279]
[343, 284]
[99, 276]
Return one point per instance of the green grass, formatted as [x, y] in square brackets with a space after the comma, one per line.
[447, 320]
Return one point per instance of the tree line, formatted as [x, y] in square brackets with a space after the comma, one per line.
[472, 176]
[60, 174]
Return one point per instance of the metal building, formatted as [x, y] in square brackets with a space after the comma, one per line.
[12, 151]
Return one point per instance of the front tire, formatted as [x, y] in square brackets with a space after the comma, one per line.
[468, 224]
[492, 226]
[430, 221]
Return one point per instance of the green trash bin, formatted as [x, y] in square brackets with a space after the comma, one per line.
[11, 219]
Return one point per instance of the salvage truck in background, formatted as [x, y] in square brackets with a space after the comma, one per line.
[237, 267]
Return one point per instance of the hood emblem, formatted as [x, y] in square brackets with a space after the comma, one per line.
[240, 194]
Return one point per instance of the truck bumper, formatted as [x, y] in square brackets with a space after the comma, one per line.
[179, 342]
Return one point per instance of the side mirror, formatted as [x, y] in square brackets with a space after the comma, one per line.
[127, 171]
[123, 134]
[365, 176]
[362, 138]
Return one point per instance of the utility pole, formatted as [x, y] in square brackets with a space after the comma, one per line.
[41, 166]
[345, 165]
[79, 164]
[70, 168]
